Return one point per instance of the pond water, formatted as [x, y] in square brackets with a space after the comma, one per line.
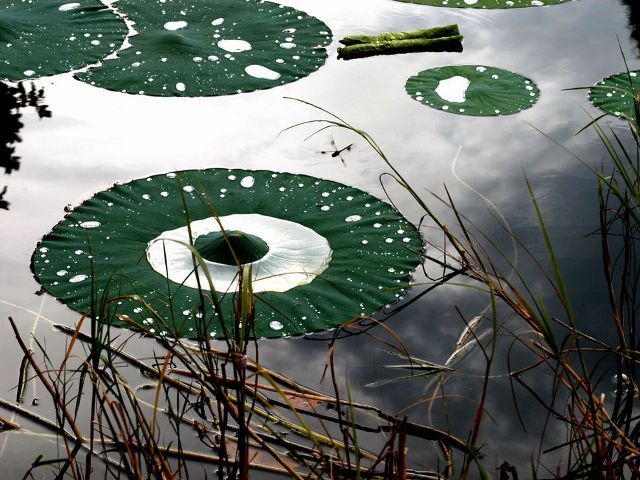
[96, 137]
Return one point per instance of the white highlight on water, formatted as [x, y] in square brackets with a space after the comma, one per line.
[68, 6]
[297, 254]
[90, 224]
[453, 89]
[177, 25]
[258, 71]
[234, 46]
[248, 181]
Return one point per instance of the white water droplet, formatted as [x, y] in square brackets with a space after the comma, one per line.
[258, 71]
[164, 194]
[325, 208]
[146, 196]
[389, 240]
[470, 2]
[78, 278]
[181, 87]
[44, 249]
[364, 242]
[90, 224]
[29, 73]
[188, 188]
[481, 69]
[377, 225]
[453, 89]
[248, 181]
[353, 218]
[78, 252]
[95, 42]
[234, 46]
[175, 25]
[231, 177]
[68, 6]
[137, 310]
[213, 58]
[217, 21]
[287, 45]
[276, 325]
[61, 273]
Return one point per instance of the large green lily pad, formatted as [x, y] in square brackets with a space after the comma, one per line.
[200, 47]
[487, 4]
[333, 252]
[617, 94]
[46, 37]
[473, 90]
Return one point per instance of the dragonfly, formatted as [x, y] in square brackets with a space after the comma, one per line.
[337, 152]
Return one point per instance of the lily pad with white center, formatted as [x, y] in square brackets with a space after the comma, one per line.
[321, 252]
[487, 4]
[47, 37]
[617, 94]
[473, 90]
[197, 48]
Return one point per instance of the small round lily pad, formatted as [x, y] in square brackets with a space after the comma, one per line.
[617, 94]
[46, 37]
[321, 252]
[473, 90]
[487, 4]
[196, 48]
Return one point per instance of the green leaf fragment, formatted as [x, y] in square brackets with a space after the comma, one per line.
[435, 32]
[204, 48]
[618, 94]
[438, 39]
[47, 37]
[487, 4]
[365, 262]
[413, 45]
[473, 90]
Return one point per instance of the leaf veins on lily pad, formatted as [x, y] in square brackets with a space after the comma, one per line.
[487, 4]
[473, 90]
[617, 94]
[46, 37]
[204, 48]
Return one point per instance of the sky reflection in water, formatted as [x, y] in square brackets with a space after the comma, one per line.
[97, 137]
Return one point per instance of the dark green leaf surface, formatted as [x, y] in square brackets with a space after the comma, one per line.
[616, 94]
[374, 249]
[491, 91]
[488, 4]
[201, 48]
[46, 37]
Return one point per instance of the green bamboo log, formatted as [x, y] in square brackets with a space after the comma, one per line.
[436, 32]
[444, 44]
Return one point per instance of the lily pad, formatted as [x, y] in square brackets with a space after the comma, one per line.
[196, 48]
[321, 252]
[46, 37]
[617, 94]
[473, 90]
[487, 4]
